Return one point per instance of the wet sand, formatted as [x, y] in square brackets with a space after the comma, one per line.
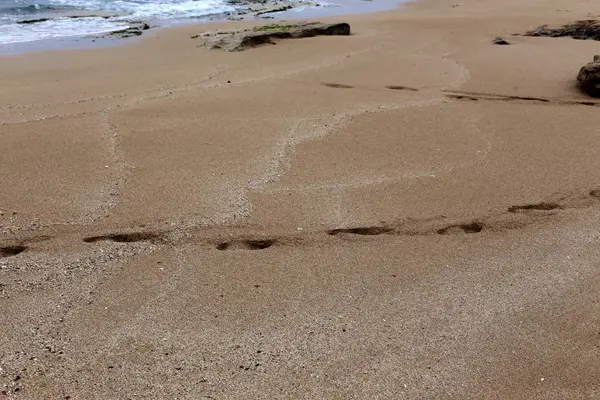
[409, 212]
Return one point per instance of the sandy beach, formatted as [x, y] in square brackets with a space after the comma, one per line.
[408, 212]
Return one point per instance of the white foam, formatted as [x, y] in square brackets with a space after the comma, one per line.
[153, 9]
[182, 9]
[61, 27]
[140, 10]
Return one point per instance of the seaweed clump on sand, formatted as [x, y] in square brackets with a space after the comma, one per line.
[581, 30]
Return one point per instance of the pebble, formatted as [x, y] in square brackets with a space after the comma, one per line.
[500, 41]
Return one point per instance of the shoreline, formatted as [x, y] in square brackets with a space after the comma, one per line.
[300, 11]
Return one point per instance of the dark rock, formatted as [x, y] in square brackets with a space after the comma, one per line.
[91, 16]
[589, 77]
[582, 30]
[33, 21]
[241, 40]
[134, 30]
[71, 16]
[500, 41]
[277, 9]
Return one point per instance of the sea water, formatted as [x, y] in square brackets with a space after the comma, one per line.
[63, 18]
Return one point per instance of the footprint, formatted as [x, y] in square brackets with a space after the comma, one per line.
[246, 244]
[462, 97]
[364, 231]
[337, 85]
[9, 251]
[543, 206]
[502, 97]
[123, 237]
[396, 87]
[525, 98]
[473, 227]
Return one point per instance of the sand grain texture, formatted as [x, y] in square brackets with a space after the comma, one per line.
[409, 212]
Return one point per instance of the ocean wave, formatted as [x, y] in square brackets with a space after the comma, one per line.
[138, 8]
[59, 18]
[33, 9]
[59, 27]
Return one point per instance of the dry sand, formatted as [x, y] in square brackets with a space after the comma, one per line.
[281, 237]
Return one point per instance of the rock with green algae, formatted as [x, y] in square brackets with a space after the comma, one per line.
[266, 34]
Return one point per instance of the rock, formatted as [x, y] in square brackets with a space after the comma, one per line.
[589, 77]
[71, 16]
[33, 21]
[273, 10]
[241, 40]
[500, 41]
[582, 30]
[135, 29]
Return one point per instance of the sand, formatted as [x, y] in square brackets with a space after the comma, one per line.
[409, 212]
